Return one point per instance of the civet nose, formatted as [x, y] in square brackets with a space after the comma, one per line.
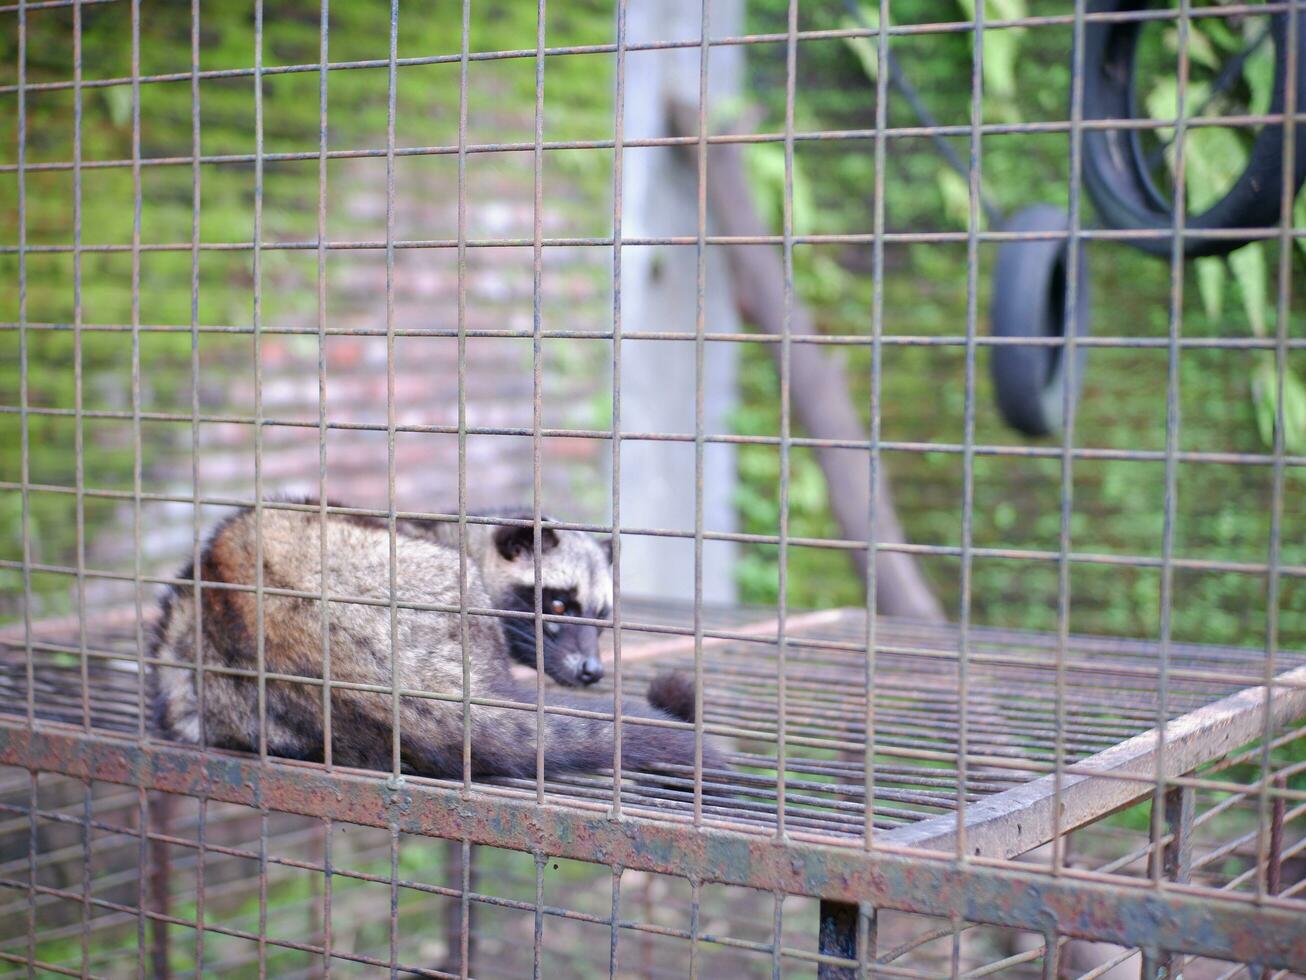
[591, 671]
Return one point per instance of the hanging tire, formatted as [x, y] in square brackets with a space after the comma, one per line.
[1115, 169]
[1029, 300]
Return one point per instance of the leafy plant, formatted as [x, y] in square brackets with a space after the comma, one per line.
[1222, 512]
[1214, 157]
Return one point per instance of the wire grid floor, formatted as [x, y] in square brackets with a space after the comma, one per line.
[1109, 695]
[655, 910]
[1010, 715]
[655, 913]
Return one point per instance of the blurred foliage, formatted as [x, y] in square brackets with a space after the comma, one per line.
[98, 291]
[1221, 512]
[1214, 158]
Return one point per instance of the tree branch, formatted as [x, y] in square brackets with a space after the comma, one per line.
[817, 385]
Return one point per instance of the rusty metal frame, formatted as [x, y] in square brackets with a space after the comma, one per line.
[957, 866]
[1267, 934]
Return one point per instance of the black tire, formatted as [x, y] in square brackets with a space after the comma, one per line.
[1029, 300]
[1114, 169]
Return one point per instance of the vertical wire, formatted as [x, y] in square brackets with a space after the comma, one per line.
[1282, 313]
[782, 605]
[538, 943]
[25, 475]
[79, 435]
[464, 920]
[777, 930]
[1171, 436]
[391, 521]
[87, 813]
[24, 423]
[1069, 358]
[695, 914]
[618, 176]
[614, 917]
[137, 570]
[196, 516]
[143, 860]
[537, 381]
[463, 636]
[699, 349]
[33, 843]
[80, 462]
[259, 639]
[257, 322]
[262, 893]
[968, 434]
[324, 25]
[394, 899]
[201, 831]
[196, 507]
[877, 366]
[328, 891]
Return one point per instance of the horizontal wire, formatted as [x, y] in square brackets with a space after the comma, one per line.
[897, 30]
[834, 340]
[764, 733]
[1266, 233]
[1029, 555]
[1048, 126]
[977, 722]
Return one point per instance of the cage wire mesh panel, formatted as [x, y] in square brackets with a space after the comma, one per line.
[709, 282]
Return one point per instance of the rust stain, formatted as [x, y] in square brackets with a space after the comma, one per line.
[1214, 926]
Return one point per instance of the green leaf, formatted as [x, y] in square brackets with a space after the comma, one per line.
[1001, 50]
[1299, 219]
[1258, 71]
[1215, 158]
[1163, 103]
[1265, 398]
[1211, 275]
[803, 202]
[118, 98]
[1252, 276]
[765, 164]
[955, 191]
[1200, 49]
[866, 48]
[1217, 31]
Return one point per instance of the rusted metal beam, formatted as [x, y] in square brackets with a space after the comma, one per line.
[1222, 927]
[1176, 857]
[1015, 821]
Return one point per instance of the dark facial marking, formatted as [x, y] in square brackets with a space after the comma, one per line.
[513, 542]
[578, 643]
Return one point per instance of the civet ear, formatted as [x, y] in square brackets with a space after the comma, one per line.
[513, 542]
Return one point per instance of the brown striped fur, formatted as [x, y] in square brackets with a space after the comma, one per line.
[575, 571]
[427, 656]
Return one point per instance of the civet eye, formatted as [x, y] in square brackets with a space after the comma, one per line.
[557, 607]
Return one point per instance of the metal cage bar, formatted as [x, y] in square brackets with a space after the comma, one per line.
[879, 768]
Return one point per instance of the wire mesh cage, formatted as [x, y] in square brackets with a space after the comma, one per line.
[419, 337]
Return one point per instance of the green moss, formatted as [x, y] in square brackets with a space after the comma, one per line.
[1219, 511]
[501, 93]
